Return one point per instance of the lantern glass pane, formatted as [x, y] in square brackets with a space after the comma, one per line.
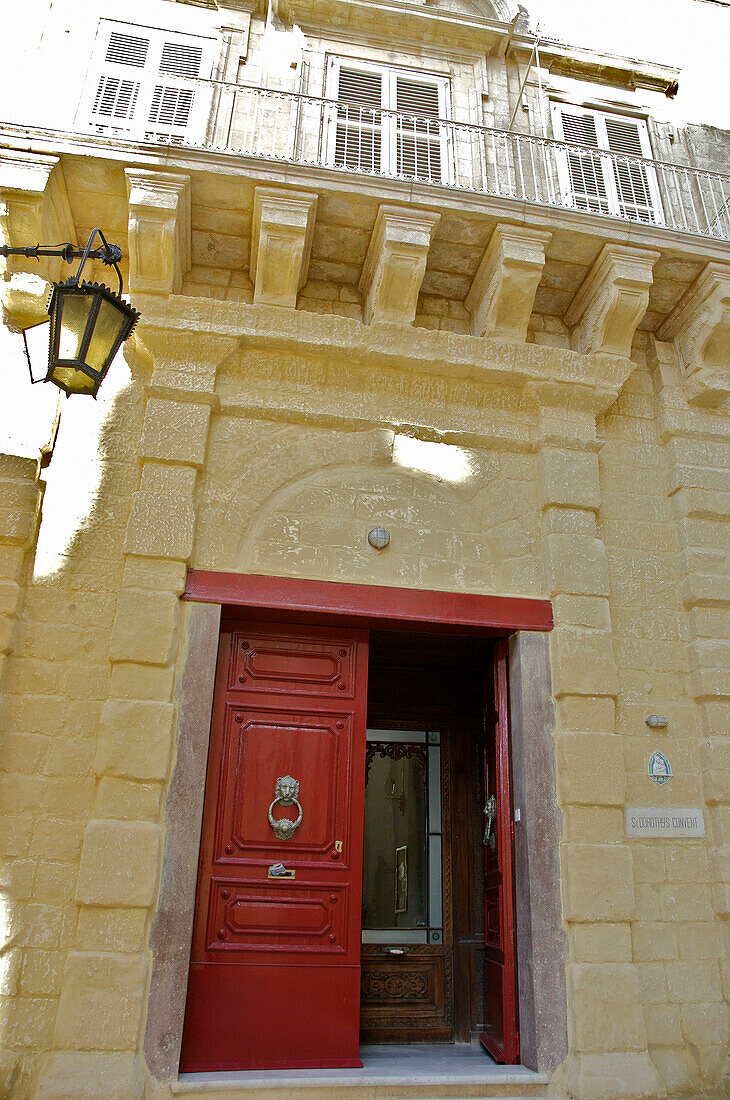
[74, 315]
[106, 330]
[73, 381]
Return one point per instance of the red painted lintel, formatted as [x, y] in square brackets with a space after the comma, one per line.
[372, 605]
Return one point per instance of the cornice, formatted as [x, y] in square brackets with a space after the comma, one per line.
[599, 68]
[402, 21]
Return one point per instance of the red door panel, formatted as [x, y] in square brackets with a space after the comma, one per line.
[500, 1036]
[267, 948]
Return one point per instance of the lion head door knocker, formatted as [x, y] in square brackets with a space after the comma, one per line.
[286, 793]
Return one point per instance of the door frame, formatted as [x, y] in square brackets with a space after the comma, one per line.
[541, 938]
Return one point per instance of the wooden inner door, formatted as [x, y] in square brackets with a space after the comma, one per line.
[423, 940]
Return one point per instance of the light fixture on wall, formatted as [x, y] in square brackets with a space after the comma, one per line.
[379, 538]
[88, 321]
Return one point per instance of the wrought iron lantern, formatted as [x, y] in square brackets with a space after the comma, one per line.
[88, 321]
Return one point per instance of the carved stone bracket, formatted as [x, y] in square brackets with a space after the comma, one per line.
[612, 300]
[281, 244]
[34, 209]
[502, 294]
[396, 263]
[159, 231]
[700, 327]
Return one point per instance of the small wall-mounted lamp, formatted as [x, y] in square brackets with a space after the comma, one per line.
[88, 321]
[657, 722]
[379, 538]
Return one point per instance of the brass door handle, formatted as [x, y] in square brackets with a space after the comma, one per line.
[491, 811]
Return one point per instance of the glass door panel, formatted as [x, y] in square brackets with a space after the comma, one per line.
[402, 896]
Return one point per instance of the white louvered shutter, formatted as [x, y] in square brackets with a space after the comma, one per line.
[117, 86]
[419, 152]
[174, 95]
[585, 169]
[358, 142]
[144, 83]
[633, 178]
[623, 183]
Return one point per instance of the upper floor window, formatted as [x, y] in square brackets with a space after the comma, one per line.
[388, 121]
[143, 83]
[617, 180]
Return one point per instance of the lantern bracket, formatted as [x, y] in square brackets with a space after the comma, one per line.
[109, 254]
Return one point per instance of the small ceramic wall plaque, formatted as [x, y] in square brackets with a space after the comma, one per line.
[660, 770]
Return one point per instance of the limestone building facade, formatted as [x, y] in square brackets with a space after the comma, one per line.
[400, 265]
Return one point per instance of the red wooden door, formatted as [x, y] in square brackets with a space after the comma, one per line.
[275, 963]
[500, 1036]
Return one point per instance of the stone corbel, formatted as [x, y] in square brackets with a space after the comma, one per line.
[34, 209]
[502, 294]
[159, 231]
[612, 300]
[700, 328]
[281, 244]
[396, 263]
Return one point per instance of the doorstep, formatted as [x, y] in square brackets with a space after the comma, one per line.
[414, 1072]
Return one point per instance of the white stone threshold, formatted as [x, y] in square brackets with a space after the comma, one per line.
[415, 1070]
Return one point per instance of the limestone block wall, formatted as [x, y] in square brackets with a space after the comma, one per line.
[680, 912]
[56, 683]
[589, 479]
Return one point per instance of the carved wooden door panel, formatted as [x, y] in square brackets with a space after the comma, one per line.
[275, 963]
[500, 1035]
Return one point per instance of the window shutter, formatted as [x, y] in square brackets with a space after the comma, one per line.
[358, 136]
[144, 83]
[587, 183]
[172, 102]
[118, 85]
[419, 140]
[632, 181]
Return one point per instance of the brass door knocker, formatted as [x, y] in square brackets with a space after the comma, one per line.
[286, 793]
[490, 810]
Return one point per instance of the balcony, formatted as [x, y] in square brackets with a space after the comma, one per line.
[317, 132]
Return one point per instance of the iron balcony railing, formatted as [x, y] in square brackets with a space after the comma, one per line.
[307, 130]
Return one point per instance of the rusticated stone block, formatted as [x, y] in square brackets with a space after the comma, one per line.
[101, 1002]
[605, 1007]
[119, 863]
[577, 565]
[160, 526]
[598, 882]
[175, 431]
[81, 1075]
[583, 662]
[568, 478]
[611, 1076]
[601, 943]
[135, 738]
[145, 627]
[591, 769]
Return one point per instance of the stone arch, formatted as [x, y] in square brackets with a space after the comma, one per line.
[317, 526]
[301, 500]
